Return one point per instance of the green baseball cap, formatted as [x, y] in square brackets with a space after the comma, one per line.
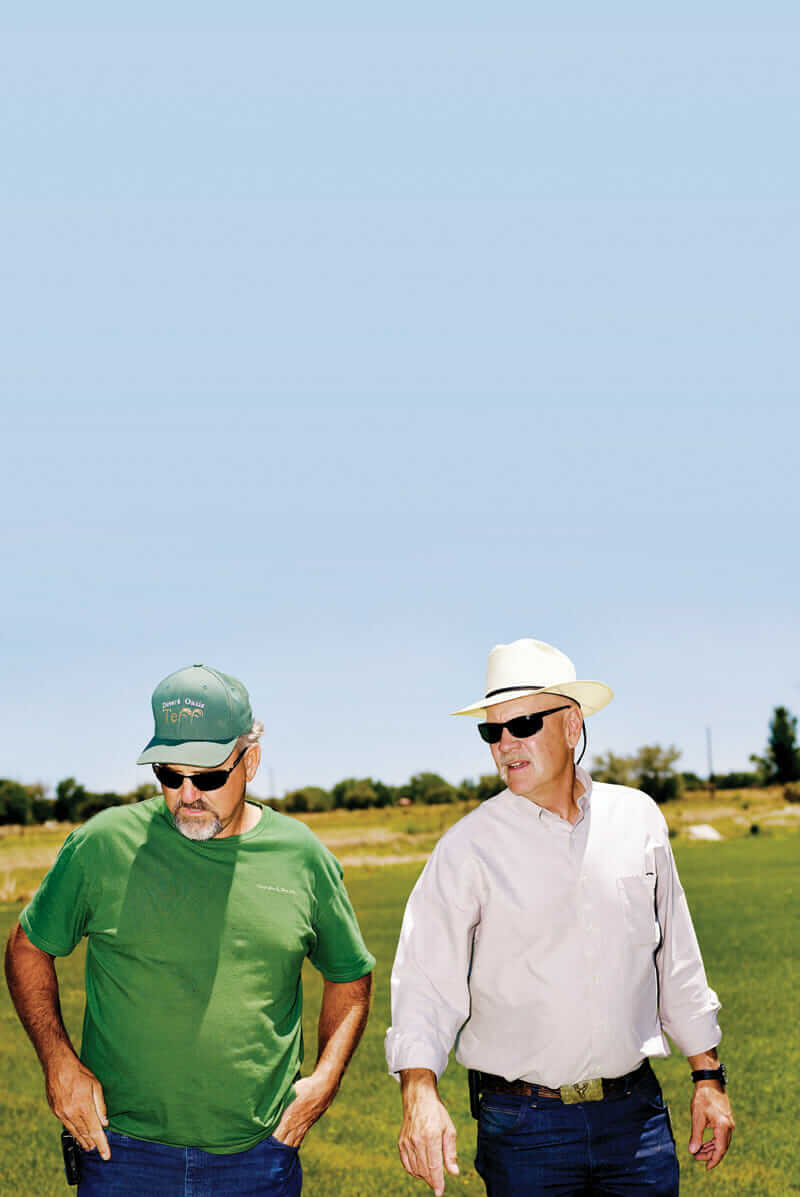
[199, 715]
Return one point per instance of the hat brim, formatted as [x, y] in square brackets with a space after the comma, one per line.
[203, 754]
[590, 696]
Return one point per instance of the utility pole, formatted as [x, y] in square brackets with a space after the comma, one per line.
[710, 764]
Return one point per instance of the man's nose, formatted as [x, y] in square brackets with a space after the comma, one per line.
[506, 739]
[188, 792]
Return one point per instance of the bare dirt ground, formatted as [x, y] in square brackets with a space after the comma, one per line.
[357, 862]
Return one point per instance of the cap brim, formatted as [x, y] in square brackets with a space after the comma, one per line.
[203, 754]
[590, 696]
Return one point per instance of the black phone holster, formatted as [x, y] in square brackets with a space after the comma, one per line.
[70, 1149]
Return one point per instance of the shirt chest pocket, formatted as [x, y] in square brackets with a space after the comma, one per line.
[638, 896]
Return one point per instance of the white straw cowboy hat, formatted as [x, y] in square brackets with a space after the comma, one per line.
[533, 667]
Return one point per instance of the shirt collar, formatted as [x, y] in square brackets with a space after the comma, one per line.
[586, 781]
[548, 817]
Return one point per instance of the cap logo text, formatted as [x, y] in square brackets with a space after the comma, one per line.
[174, 712]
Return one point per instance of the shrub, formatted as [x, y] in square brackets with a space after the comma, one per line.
[431, 789]
[305, 799]
[650, 769]
[16, 803]
[791, 791]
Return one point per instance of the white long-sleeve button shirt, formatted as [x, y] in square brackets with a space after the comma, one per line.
[550, 951]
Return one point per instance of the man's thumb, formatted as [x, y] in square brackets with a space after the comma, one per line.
[449, 1151]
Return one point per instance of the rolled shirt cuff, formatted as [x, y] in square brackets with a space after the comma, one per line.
[698, 1036]
[405, 1049]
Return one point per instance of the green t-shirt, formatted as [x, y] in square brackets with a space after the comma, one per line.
[193, 991]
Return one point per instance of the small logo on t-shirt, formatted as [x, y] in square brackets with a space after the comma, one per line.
[278, 889]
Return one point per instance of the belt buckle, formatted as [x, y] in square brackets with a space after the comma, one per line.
[584, 1091]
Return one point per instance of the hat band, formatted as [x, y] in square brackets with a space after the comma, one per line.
[505, 690]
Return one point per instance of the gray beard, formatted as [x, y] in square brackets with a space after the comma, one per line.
[193, 829]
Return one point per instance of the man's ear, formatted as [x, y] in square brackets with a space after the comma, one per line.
[252, 759]
[574, 725]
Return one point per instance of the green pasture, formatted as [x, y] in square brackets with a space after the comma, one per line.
[743, 893]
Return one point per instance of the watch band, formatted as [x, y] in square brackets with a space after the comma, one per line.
[711, 1074]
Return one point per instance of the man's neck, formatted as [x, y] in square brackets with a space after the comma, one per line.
[252, 816]
[561, 795]
[245, 819]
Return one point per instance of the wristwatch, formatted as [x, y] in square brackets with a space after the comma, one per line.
[711, 1074]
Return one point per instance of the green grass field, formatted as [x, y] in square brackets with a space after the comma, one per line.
[743, 894]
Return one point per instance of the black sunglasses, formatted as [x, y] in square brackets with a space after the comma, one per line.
[213, 779]
[520, 727]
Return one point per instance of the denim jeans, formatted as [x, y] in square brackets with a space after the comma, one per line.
[141, 1169]
[622, 1145]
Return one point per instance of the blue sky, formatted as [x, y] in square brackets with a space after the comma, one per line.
[333, 357]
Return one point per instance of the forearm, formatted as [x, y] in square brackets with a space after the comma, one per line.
[342, 1018]
[415, 1081]
[420, 1090]
[73, 1092]
[706, 1059]
[33, 985]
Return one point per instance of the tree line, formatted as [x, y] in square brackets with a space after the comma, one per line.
[651, 768]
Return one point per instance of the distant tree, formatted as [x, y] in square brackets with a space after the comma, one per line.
[488, 785]
[430, 788]
[92, 804]
[16, 804]
[781, 761]
[305, 799]
[41, 805]
[619, 770]
[43, 810]
[385, 795]
[295, 802]
[69, 796]
[651, 769]
[143, 792]
[735, 781]
[655, 773]
[692, 782]
[354, 793]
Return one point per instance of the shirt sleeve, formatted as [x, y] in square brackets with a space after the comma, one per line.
[339, 951]
[430, 977]
[55, 919]
[687, 1004]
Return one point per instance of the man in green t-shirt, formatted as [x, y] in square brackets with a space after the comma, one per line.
[199, 908]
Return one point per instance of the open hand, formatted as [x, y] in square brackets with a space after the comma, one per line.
[427, 1142]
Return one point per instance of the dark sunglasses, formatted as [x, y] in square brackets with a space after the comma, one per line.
[214, 779]
[520, 727]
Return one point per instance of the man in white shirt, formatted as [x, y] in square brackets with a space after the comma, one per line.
[549, 938]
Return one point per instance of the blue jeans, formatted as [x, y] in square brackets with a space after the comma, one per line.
[141, 1169]
[622, 1145]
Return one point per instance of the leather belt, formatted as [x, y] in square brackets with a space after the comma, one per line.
[592, 1090]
